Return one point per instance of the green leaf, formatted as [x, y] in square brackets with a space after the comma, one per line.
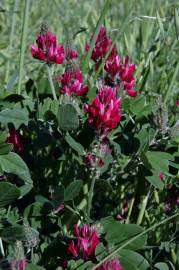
[75, 145]
[67, 117]
[131, 260]
[31, 266]
[8, 193]
[14, 116]
[73, 190]
[162, 266]
[5, 148]
[13, 233]
[139, 107]
[159, 160]
[175, 131]
[58, 196]
[80, 265]
[101, 252]
[13, 163]
[3, 137]
[117, 233]
[155, 180]
[34, 213]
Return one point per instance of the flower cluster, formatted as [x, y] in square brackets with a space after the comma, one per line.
[110, 265]
[102, 46]
[72, 82]
[117, 72]
[120, 73]
[104, 112]
[47, 49]
[87, 241]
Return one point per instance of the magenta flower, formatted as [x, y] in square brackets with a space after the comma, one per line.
[47, 49]
[113, 63]
[102, 45]
[127, 77]
[177, 102]
[71, 54]
[111, 265]
[15, 139]
[72, 83]
[87, 241]
[19, 264]
[105, 110]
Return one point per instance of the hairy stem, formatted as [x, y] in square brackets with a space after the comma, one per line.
[90, 197]
[130, 210]
[51, 82]
[143, 208]
[1, 247]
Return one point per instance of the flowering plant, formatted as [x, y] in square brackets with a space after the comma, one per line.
[89, 156]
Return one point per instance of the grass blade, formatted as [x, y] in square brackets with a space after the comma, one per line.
[176, 17]
[16, 3]
[23, 43]
[160, 25]
[172, 83]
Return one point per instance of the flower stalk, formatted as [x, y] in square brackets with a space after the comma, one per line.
[51, 82]
[143, 208]
[1, 247]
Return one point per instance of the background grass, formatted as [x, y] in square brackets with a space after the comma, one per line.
[146, 31]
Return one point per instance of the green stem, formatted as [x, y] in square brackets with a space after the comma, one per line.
[143, 208]
[133, 239]
[1, 247]
[90, 197]
[16, 2]
[23, 43]
[51, 82]
[130, 210]
[72, 210]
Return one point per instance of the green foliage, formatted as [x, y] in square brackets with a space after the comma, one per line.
[73, 190]
[12, 234]
[67, 117]
[132, 260]
[118, 234]
[8, 193]
[14, 116]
